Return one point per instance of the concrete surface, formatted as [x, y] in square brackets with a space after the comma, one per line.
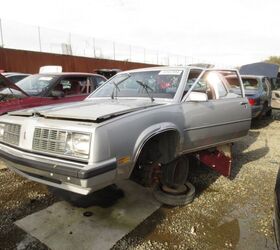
[62, 226]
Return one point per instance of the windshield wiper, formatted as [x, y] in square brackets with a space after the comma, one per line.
[146, 87]
[116, 86]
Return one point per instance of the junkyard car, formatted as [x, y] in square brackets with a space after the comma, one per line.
[258, 92]
[44, 89]
[141, 124]
[271, 72]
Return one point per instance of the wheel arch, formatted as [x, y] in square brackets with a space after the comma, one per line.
[150, 133]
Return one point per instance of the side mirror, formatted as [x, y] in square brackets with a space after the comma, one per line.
[197, 97]
[57, 93]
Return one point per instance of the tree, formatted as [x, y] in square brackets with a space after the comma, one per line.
[273, 59]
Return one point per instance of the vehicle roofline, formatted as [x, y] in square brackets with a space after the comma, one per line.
[69, 74]
[161, 68]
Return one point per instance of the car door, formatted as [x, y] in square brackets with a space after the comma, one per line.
[223, 117]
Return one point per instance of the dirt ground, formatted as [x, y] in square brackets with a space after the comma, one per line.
[234, 213]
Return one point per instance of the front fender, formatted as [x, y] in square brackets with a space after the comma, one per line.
[150, 132]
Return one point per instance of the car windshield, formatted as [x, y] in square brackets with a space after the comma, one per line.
[34, 85]
[250, 83]
[151, 84]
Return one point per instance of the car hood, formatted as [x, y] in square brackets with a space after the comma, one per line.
[6, 83]
[90, 110]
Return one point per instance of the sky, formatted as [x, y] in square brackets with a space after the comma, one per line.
[223, 32]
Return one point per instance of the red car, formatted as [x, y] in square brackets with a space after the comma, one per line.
[46, 89]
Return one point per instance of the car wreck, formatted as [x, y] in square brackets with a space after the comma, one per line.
[141, 124]
[269, 71]
[45, 89]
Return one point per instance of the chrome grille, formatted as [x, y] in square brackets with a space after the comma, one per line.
[49, 140]
[11, 133]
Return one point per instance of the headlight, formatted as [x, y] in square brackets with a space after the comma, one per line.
[77, 144]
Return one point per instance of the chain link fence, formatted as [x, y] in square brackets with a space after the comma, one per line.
[34, 38]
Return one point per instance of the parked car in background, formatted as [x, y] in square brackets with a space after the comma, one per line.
[14, 76]
[269, 70]
[258, 91]
[141, 124]
[44, 89]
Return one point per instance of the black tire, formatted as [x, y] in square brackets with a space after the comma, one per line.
[175, 173]
[174, 199]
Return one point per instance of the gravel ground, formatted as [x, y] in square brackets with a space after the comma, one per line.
[233, 213]
[18, 198]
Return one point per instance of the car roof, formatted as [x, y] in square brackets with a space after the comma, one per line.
[69, 74]
[176, 68]
[162, 68]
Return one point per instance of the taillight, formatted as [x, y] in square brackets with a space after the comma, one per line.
[252, 101]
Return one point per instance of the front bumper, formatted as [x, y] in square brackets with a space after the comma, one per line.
[72, 176]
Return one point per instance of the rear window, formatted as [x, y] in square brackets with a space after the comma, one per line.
[250, 83]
